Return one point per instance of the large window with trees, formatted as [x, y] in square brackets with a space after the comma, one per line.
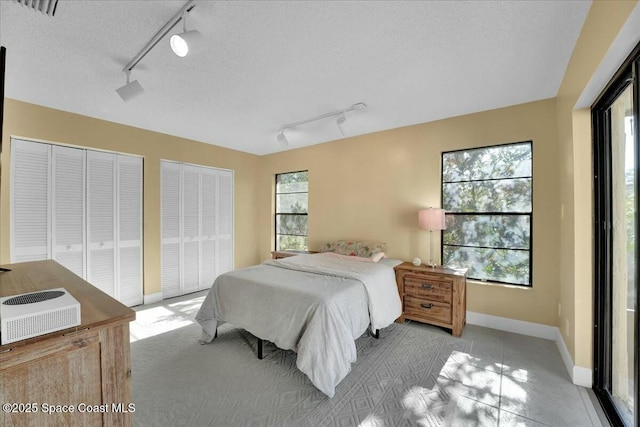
[487, 196]
[292, 202]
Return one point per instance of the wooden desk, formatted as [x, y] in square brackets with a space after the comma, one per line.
[87, 367]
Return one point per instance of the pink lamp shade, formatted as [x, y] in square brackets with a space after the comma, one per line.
[431, 219]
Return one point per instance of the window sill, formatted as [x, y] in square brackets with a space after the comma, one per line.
[499, 285]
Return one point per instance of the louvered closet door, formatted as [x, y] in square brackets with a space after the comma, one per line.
[171, 206]
[209, 181]
[30, 205]
[191, 229]
[129, 226]
[101, 221]
[225, 222]
[68, 208]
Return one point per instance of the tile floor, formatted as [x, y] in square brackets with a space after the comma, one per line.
[508, 379]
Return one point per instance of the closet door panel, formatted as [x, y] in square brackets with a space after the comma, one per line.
[101, 221]
[225, 222]
[191, 228]
[69, 208]
[30, 202]
[209, 182]
[171, 224]
[129, 226]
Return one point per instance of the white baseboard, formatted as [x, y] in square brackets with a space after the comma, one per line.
[510, 325]
[579, 375]
[153, 298]
[582, 376]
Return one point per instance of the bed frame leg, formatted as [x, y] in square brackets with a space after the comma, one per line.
[377, 335]
[260, 348]
[216, 334]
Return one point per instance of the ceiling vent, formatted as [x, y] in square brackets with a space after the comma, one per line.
[47, 7]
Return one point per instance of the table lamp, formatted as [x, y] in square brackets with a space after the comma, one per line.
[431, 219]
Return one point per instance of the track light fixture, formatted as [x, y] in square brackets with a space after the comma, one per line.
[282, 139]
[340, 122]
[186, 42]
[134, 88]
[130, 90]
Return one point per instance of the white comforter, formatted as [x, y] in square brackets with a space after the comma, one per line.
[316, 305]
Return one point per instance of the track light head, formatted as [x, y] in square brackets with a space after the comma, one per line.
[340, 121]
[184, 43]
[130, 90]
[282, 139]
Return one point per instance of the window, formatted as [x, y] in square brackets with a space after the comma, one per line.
[292, 195]
[487, 196]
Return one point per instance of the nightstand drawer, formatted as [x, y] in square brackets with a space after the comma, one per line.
[428, 310]
[423, 287]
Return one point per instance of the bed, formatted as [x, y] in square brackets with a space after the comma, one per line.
[316, 305]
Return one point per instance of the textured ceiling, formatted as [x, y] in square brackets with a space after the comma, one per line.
[268, 63]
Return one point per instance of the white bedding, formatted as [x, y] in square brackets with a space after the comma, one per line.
[316, 305]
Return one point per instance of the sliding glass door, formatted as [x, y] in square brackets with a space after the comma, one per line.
[616, 159]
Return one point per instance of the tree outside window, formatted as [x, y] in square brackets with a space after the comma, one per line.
[292, 205]
[487, 196]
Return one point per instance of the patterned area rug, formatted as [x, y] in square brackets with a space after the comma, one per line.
[178, 382]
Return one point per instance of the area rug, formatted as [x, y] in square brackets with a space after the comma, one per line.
[179, 382]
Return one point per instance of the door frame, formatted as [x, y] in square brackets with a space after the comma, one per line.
[628, 73]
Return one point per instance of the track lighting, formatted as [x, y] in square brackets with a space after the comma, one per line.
[185, 42]
[130, 90]
[340, 122]
[282, 139]
[133, 89]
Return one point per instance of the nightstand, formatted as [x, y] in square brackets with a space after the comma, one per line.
[288, 253]
[437, 296]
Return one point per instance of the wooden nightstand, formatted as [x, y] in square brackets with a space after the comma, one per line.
[285, 253]
[437, 296]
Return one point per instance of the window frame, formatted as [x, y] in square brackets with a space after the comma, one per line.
[492, 213]
[276, 213]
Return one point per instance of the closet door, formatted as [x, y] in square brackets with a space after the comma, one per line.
[197, 227]
[101, 221]
[30, 201]
[68, 181]
[225, 222]
[171, 223]
[209, 180]
[129, 230]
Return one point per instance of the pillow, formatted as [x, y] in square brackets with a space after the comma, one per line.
[377, 256]
[354, 248]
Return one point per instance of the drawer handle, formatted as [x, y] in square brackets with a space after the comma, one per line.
[426, 305]
[426, 286]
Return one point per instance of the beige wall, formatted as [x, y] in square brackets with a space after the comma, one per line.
[40, 123]
[604, 21]
[372, 186]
